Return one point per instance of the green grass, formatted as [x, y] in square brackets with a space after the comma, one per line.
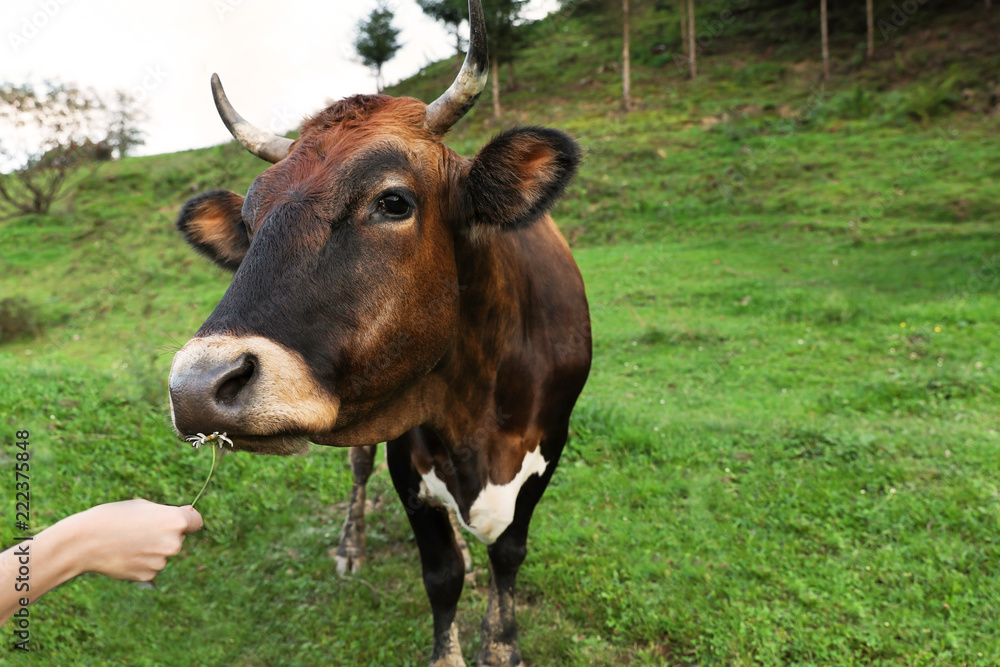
[766, 466]
[709, 507]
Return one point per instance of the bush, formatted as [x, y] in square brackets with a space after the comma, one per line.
[854, 104]
[759, 74]
[18, 319]
[929, 101]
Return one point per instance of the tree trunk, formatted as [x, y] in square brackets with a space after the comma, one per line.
[511, 84]
[458, 40]
[684, 27]
[495, 75]
[691, 52]
[825, 39]
[871, 29]
[626, 61]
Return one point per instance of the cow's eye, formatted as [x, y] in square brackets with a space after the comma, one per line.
[394, 206]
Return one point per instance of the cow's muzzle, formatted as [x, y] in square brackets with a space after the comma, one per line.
[251, 388]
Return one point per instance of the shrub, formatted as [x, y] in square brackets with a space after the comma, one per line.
[18, 319]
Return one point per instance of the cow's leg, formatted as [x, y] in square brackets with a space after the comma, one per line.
[498, 645]
[440, 558]
[462, 545]
[350, 554]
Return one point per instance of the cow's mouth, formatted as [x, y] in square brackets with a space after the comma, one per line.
[280, 445]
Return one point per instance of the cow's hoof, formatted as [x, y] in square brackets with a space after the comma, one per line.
[499, 655]
[447, 649]
[450, 660]
[350, 553]
[348, 564]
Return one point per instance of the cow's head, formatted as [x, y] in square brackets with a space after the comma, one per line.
[345, 293]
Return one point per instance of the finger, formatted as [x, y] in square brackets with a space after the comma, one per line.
[193, 518]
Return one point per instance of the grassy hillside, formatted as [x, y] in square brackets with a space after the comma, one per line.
[786, 453]
[758, 135]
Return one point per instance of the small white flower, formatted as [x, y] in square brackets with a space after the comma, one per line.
[201, 439]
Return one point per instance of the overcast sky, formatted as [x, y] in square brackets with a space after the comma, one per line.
[279, 61]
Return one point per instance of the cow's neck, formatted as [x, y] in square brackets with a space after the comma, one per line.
[493, 292]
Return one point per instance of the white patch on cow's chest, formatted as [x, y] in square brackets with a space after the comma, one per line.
[493, 509]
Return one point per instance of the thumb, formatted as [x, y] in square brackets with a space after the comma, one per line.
[193, 518]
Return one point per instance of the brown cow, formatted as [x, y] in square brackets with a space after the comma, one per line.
[388, 289]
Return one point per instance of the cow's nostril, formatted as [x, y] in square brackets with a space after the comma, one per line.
[235, 380]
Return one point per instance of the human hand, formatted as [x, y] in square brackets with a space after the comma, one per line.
[131, 539]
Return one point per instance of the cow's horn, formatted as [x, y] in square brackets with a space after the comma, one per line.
[448, 109]
[263, 144]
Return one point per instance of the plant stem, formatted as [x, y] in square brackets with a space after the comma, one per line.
[211, 470]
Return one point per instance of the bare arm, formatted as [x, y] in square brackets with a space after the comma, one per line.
[126, 540]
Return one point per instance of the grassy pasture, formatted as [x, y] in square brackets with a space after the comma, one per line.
[787, 452]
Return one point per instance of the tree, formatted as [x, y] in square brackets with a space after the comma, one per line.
[449, 12]
[123, 132]
[502, 18]
[626, 61]
[824, 39]
[59, 129]
[869, 10]
[684, 28]
[691, 51]
[377, 41]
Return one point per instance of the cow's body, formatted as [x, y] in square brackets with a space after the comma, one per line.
[387, 289]
[511, 379]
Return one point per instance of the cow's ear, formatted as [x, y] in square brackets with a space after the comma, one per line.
[213, 224]
[517, 177]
